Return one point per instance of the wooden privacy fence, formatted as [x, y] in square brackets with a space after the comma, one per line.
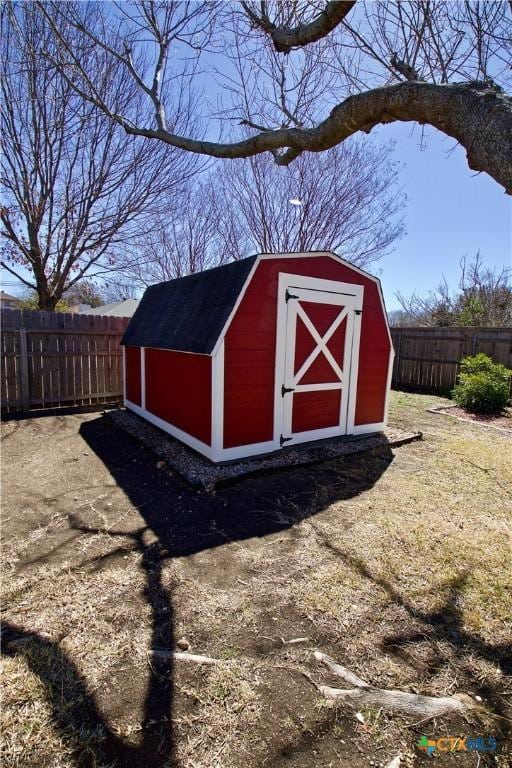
[52, 359]
[428, 358]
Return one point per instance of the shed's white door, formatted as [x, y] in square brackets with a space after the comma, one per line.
[319, 360]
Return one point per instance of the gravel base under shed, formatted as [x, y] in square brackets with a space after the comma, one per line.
[201, 473]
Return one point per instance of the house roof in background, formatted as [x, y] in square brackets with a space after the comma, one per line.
[8, 297]
[124, 308]
[189, 313]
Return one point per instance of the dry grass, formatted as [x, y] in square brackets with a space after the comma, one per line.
[433, 535]
[407, 581]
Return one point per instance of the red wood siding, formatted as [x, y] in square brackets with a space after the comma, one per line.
[132, 373]
[316, 410]
[250, 350]
[178, 390]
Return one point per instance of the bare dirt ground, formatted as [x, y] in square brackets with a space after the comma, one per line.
[396, 564]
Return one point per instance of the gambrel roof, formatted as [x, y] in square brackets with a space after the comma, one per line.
[188, 314]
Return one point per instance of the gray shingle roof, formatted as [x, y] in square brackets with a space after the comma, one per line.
[124, 308]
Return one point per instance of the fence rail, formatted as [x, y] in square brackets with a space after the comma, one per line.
[51, 359]
[428, 358]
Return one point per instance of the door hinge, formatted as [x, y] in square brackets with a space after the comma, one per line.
[358, 311]
[284, 390]
[289, 296]
[284, 439]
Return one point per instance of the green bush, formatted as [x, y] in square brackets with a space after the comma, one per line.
[482, 364]
[483, 386]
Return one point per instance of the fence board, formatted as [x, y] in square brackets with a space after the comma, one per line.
[10, 367]
[427, 359]
[24, 372]
[53, 359]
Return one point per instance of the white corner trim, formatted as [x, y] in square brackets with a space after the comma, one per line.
[143, 377]
[189, 440]
[384, 311]
[388, 383]
[353, 373]
[365, 429]
[124, 373]
[218, 400]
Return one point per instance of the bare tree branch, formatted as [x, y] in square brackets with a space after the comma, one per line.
[346, 200]
[77, 189]
[458, 47]
[361, 694]
[487, 137]
[484, 298]
[404, 68]
[285, 39]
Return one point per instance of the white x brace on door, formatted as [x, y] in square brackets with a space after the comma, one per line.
[316, 361]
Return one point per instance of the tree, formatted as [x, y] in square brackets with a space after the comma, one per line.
[118, 287]
[441, 64]
[344, 200]
[31, 301]
[188, 237]
[484, 298]
[84, 292]
[78, 190]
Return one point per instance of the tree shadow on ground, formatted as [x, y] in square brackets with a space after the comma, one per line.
[184, 522]
[442, 625]
[74, 709]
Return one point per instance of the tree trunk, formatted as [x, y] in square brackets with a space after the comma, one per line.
[46, 301]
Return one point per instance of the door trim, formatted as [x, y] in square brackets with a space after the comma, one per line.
[355, 292]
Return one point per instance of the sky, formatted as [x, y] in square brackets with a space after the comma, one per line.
[451, 211]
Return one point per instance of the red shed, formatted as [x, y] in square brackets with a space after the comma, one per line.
[272, 350]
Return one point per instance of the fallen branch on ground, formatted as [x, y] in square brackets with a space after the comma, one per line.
[183, 656]
[364, 695]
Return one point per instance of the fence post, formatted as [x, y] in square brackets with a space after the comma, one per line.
[25, 389]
